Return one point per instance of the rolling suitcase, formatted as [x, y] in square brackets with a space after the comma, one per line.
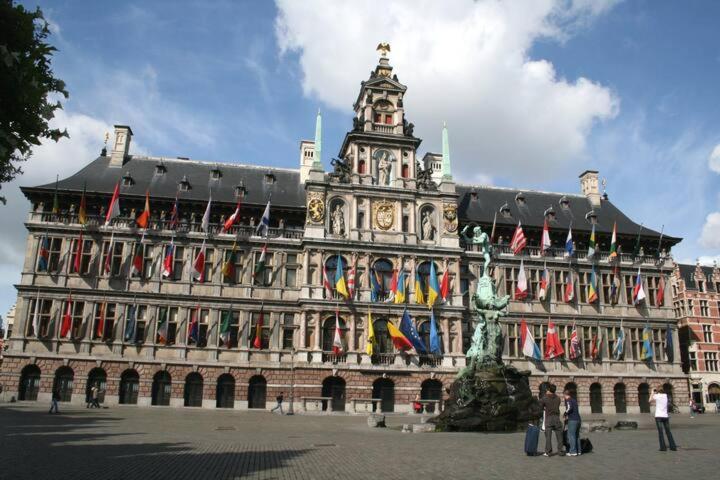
[532, 436]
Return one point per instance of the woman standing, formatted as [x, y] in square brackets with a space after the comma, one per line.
[572, 415]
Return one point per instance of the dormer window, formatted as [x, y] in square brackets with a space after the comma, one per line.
[505, 211]
[240, 190]
[520, 199]
[269, 178]
[160, 169]
[591, 217]
[184, 184]
[127, 180]
[473, 196]
[216, 173]
[549, 214]
[564, 202]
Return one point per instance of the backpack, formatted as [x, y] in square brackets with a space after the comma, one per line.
[586, 445]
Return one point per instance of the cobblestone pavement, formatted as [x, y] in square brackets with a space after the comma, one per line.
[158, 443]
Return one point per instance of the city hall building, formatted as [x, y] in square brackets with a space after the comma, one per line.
[125, 308]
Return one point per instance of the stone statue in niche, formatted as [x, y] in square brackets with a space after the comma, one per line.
[428, 228]
[337, 221]
[384, 165]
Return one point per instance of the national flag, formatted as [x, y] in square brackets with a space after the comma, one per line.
[660, 297]
[529, 347]
[100, 325]
[169, 262]
[137, 260]
[114, 208]
[337, 346]
[398, 339]
[375, 288]
[638, 289]
[109, 254]
[669, 349]
[569, 294]
[198, 272]
[592, 292]
[591, 244]
[619, 346]
[155, 266]
[264, 225]
[544, 284]
[407, 328]
[36, 316]
[326, 283]
[163, 325]
[257, 342]
[419, 294]
[205, 224]
[44, 254]
[613, 244]
[445, 284]
[615, 286]
[370, 343]
[82, 210]
[433, 287]
[435, 348]
[143, 220]
[569, 245]
[77, 260]
[232, 219]
[647, 345]
[260, 265]
[553, 346]
[400, 289]
[131, 324]
[545, 242]
[393, 286]
[340, 285]
[193, 332]
[56, 200]
[575, 350]
[518, 241]
[66, 324]
[521, 286]
[597, 340]
[225, 327]
[174, 215]
[228, 268]
[351, 282]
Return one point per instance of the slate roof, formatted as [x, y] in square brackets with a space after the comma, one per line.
[687, 273]
[286, 190]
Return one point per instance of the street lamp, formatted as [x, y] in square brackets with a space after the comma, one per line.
[291, 411]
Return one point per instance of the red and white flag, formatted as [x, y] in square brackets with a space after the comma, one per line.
[66, 325]
[199, 265]
[169, 261]
[114, 208]
[326, 283]
[543, 285]
[337, 347]
[137, 260]
[521, 286]
[518, 241]
[351, 282]
[77, 261]
[108, 255]
[232, 219]
[569, 295]
[545, 243]
[660, 299]
[553, 346]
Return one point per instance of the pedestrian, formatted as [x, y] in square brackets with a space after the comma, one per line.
[417, 406]
[551, 408]
[572, 415]
[717, 405]
[88, 397]
[660, 400]
[279, 400]
[95, 392]
[693, 408]
[54, 400]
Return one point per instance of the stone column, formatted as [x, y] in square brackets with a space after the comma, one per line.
[301, 332]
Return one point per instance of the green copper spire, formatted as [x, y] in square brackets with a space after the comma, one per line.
[317, 163]
[446, 173]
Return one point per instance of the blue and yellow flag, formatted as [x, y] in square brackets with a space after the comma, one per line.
[419, 294]
[407, 327]
[375, 289]
[400, 293]
[433, 286]
[340, 285]
[434, 337]
[647, 345]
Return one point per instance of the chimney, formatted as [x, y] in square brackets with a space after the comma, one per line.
[121, 147]
[307, 158]
[589, 186]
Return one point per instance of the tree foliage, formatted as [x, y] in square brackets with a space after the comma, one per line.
[28, 89]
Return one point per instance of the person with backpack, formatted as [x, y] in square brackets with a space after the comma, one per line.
[279, 400]
[572, 416]
[551, 407]
[660, 399]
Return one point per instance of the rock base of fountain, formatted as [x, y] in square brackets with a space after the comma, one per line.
[493, 398]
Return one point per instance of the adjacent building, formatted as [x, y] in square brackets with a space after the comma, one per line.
[129, 308]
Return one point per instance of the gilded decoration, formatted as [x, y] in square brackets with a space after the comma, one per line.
[450, 217]
[384, 215]
[316, 207]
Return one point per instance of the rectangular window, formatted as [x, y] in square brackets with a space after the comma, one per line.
[235, 276]
[711, 361]
[207, 266]
[629, 285]
[636, 342]
[85, 256]
[658, 345]
[693, 361]
[76, 332]
[539, 332]
[606, 282]
[139, 248]
[405, 223]
[707, 333]
[178, 263]
[39, 310]
[678, 309]
[104, 324]
[388, 119]
[701, 285]
[513, 335]
[288, 341]
[141, 322]
[653, 287]
[587, 339]
[558, 285]
[55, 252]
[171, 314]
[232, 335]
[265, 334]
[291, 268]
[690, 307]
[148, 258]
[378, 118]
[583, 283]
[116, 257]
[704, 309]
[264, 278]
[533, 282]
[611, 339]
[203, 323]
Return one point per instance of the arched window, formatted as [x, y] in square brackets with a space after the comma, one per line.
[193, 393]
[431, 389]
[572, 388]
[383, 270]
[619, 395]
[161, 388]
[384, 389]
[257, 391]
[96, 378]
[361, 166]
[129, 387]
[713, 392]
[596, 398]
[328, 333]
[424, 331]
[334, 387]
[225, 391]
[29, 383]
[644, 397]
[64, 377]
[331, 266]
[383, 342]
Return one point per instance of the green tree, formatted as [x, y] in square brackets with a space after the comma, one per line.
[28, 89]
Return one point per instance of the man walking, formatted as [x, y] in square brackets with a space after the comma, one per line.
[572, 414]
[279, 400]
[551, 406]
[54, 400]
[660, 400]
[95, 393]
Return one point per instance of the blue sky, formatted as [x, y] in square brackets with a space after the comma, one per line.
[533, 94]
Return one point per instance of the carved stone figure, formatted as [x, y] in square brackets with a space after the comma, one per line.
[428, 228]
[384, 167]
[450, 217]
[483, 240]
[424, 178]
[338, 221]
[408, 127]
[357, 124]
[342, 170]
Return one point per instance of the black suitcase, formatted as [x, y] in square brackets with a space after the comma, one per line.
[532, 436]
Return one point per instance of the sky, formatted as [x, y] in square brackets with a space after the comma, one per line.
[533, 92]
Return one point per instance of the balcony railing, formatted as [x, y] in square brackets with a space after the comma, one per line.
[382, 128]
[383, 359]
[334, 357]
[430, 360]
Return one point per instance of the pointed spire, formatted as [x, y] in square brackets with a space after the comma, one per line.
[317, 163]
[446, 173]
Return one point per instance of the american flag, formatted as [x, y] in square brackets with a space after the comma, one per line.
[518, 240]
[574, 344]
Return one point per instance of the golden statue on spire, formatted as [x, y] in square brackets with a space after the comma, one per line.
[383, 48]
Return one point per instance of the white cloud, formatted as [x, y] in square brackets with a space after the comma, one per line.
[710, 236]
[714, 160]
[464, 62]
[709, 260]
